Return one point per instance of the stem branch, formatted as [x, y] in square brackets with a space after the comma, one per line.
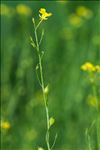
[42, 84]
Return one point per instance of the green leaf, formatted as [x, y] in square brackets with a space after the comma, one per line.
[46, 90]
[40, 148]
[31, 39]
[33, 20]
[37, 67]
[51, 121]
[42, 34]
[32, 42]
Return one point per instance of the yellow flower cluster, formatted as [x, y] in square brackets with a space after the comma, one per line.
[6, 10]
[43, 14]
[23, 10]
[97, 68]
[5, 125]
[92, 101]
[90, 67]
[76, 19]
[20, 9]
[82, 11]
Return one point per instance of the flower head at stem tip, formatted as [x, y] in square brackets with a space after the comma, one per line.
[43, 14]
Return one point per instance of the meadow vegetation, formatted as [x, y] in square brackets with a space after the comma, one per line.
[50, 75]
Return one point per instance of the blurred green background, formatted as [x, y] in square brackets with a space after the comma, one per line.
[72, 37]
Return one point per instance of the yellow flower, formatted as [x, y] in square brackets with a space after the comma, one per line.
[97, 68]
[75, 20]
[92, 101]
[43, 14]
[5, 125]
[88, 67]
[84, 12]
[23, 10]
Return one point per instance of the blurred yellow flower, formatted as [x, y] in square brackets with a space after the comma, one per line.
[97, 67]
[23, 10]
[75, 20]
[92, 101]
[5, 125]
[43, 14]
[88, 67]
[82, 11]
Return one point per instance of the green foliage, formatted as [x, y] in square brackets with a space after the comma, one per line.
[70, 40]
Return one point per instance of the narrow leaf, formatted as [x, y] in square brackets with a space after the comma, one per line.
[37, 67]
[46, 90]
[33, 20]
[42, 34]
[32, 42]
[40, 148]
[51, 121]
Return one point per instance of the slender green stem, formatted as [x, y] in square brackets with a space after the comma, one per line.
[88, 131]
[54, 142]
[39, 24]
[90, 148]
[42, 85]
[95, 95]
[97, 112]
